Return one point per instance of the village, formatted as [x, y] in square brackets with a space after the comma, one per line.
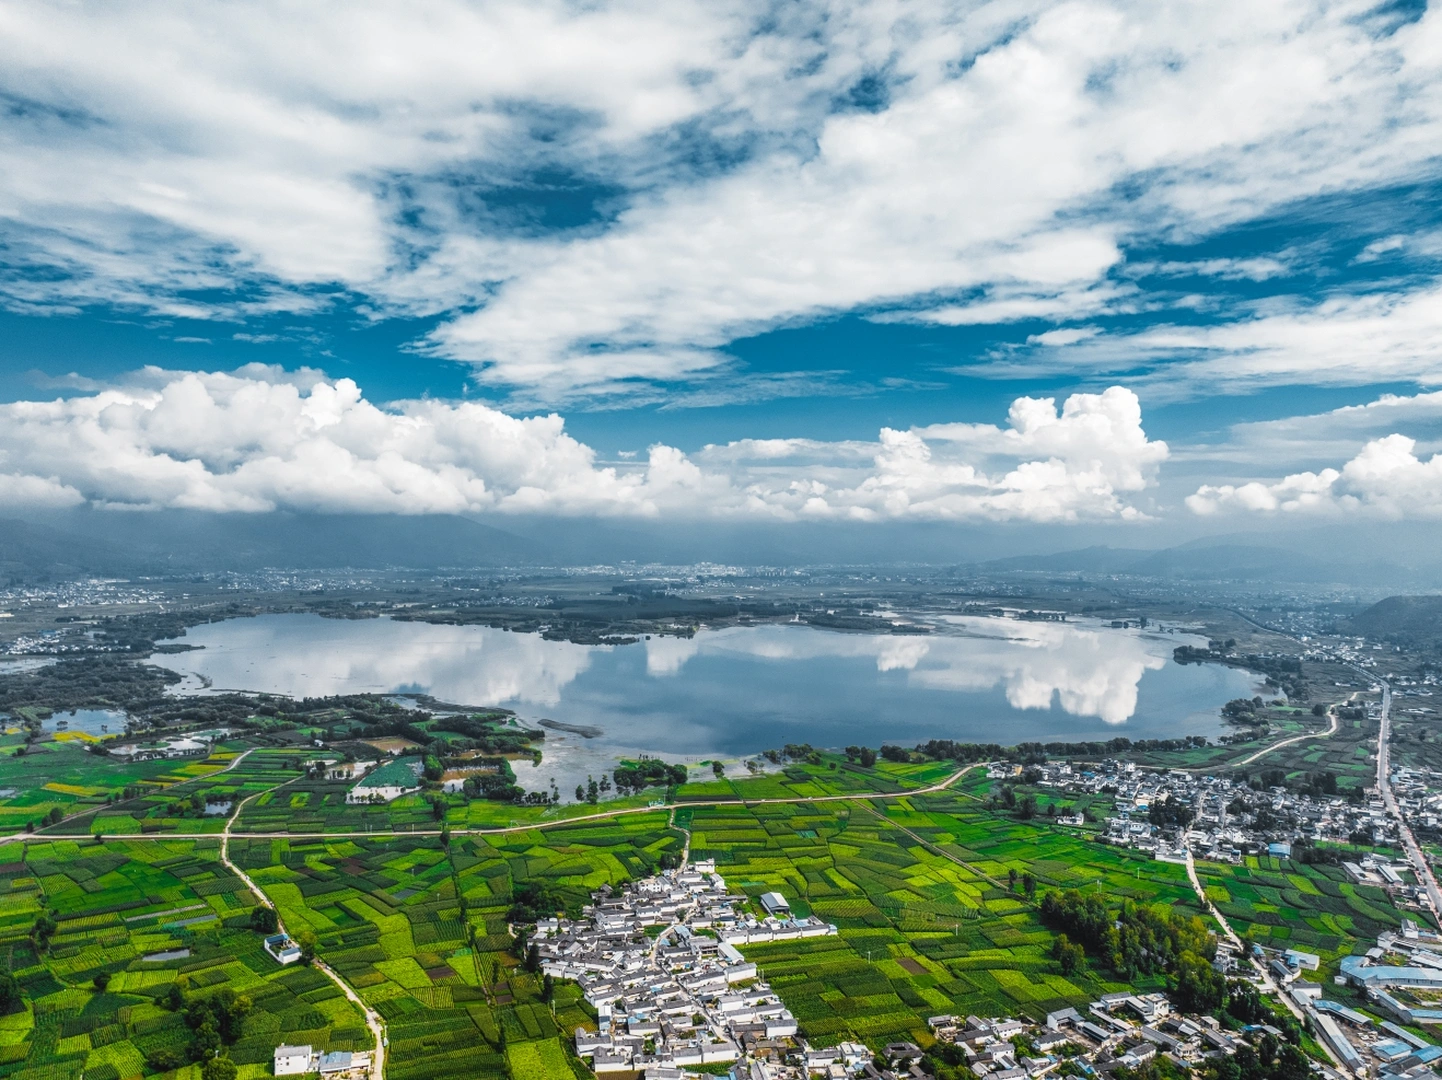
[659, 962]
[683, 996]
[1168, 813]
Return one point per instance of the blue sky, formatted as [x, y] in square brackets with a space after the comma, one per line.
[728, 247]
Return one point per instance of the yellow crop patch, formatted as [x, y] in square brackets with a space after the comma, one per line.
[75, 789]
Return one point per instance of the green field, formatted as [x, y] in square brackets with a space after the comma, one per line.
[920, 933]
[420, 931]
[114, 904]
[920, 886]
[1284, 904]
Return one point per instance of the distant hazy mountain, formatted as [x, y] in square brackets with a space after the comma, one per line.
[136, 543]
[1233, 559]
[1096, 560]
[29, 550]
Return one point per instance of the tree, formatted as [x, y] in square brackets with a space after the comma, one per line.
[717, 769]
[1245, 1004]
[868, 757]
[207, 1040]
[438, 809]
[218, 1068]
[446, 835]
[580, 793]
[1199, 987]
[1028, 885]
[306, 940]
[592, 792]
[264, 920]
[164, 1059]
[1011, 876]
[1070, 956]
[101, 981]
[55, 817]
[533, 958]
[548, 989]
[9, 992]
[43, 930]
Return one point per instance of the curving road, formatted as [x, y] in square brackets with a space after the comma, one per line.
[1288, 742]
[559, 823]
[373, 1018]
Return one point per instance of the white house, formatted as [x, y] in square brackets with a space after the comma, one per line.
[282, 950]
[293, 1060]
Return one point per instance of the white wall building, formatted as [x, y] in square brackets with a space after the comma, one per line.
[293, 1060]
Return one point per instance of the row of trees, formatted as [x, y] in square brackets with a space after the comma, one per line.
[647, 772]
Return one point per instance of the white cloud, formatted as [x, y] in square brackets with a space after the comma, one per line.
[1068, 336]
[1302, 442]
[254, 441]
[38, 491]
[150, 154]
[1344, 340]
[1387, 478]
[1080, 462]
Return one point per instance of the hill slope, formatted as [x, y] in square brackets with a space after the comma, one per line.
[1413, 620]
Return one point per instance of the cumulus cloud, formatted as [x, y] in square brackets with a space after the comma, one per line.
[1386, 478]
[158, 159]
[253, 441]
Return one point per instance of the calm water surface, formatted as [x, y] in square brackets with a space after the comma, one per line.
[740, 690]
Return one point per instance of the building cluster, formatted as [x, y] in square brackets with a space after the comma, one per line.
[196, 744]
[1118, 1031]
[685, 996]
[1228, 818]
[1401, 977]
[1419, 797]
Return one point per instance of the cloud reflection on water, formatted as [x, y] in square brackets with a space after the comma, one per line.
[1084, 669]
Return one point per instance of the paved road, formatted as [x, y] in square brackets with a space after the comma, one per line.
[558, 823]
[373, 1018]
[1384, 785]
[1288, 742]
[1263, 975]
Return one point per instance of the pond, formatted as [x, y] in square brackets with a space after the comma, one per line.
[90, 721]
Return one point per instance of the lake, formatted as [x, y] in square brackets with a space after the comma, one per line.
[740, 690]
